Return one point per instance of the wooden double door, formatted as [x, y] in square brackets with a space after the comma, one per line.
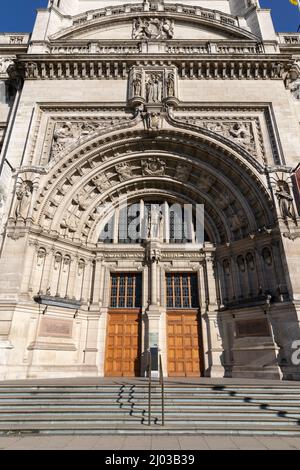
[184, 343]
[123, 343]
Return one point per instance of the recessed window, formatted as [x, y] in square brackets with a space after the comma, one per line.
[182, 290]
[126, 290]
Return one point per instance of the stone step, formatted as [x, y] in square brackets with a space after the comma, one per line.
[18, 407]
[57, 413]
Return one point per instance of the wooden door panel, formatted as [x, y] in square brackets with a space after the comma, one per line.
[183, 344]
[122, 344]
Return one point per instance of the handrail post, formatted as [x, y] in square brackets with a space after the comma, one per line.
[149, 388]
[161, 377]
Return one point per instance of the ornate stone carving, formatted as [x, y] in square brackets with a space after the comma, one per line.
[237, 221]
[152, 121]
[223, 200]
[152, 28]
[206, 182]
[239, 132]
[101, 182]
[5, 63]
[31, 69]
[23, 194]
[285, 201]
[68, 133]
[69, 222]
[182, 172]
[153, 167]
[152, 85]
[124, 171]
[82, 199]
[291, 78]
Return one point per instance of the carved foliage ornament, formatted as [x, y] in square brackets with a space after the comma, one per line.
[152, 28]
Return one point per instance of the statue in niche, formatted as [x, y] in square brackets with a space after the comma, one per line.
[124, 171]
[23, 200]
[241, 263]
[154, 88]
[285, 201]
[171, 85]
[153, 167]
[267, 256]
[137, 85]
[250, 261]
[155, 222]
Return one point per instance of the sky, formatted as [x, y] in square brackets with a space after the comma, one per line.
[18, 15]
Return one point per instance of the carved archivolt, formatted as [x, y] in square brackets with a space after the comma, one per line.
[69, 204]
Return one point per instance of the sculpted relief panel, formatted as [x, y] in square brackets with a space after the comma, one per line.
[152, 85]
[152, 28]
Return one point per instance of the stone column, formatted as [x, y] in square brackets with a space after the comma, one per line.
[154, 309]
[215, 349]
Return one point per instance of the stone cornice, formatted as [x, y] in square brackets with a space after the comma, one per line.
[39, 67]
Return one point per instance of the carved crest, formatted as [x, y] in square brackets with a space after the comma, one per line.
[153, 167]
[152, 28]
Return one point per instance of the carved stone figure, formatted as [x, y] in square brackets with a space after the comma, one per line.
[182, 172]
[223, 199]
[23, 200]
[41, 255]
[155, 222]
[285, 201]
[250, 261]
[154, 88]
[171, 85]
[153, 167]
[137, 85]
[267, 256]
[68, 133]
[206, 182]
[152, 28]
[241, 133]
[69, 222]
[241, 263]
[152, 121]
[30, 69]
[82, 199]
[124, 171]
[237, 221]
[102, 182]
[5, 62]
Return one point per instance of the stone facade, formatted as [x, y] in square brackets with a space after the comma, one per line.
[189, 103]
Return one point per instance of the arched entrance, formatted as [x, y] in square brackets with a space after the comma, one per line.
[178, 167]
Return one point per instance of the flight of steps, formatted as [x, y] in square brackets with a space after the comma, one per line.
[123, 408]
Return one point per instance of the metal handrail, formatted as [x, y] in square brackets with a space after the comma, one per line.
[161, 380]
[149, 388]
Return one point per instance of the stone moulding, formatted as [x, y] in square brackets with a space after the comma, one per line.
[39, 67]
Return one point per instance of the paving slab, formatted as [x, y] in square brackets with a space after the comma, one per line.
[248, 443]
[293, 441]
[165, 443]
[137, 443]
[109, 443]
[193, 443]
[220, 442]
[275, 443]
